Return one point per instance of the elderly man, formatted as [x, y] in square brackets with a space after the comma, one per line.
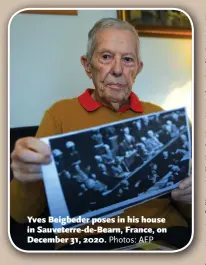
[113, 63]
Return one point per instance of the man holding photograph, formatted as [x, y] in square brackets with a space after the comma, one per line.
[112, 62]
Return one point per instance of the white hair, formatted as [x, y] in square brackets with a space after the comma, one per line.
[57, 152]
[69, 144]
[108, 23]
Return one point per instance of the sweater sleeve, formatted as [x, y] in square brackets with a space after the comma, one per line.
[29, 199]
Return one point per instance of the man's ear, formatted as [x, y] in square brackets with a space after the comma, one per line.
[86, 66]
[140, 66]
[138, 70]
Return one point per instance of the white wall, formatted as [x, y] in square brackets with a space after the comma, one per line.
[166, 78]
[45, 64]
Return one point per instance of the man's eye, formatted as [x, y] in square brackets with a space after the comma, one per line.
[106, 56]
[128, 59]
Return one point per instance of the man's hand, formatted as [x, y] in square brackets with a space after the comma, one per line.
[184, 192]
[28, 155]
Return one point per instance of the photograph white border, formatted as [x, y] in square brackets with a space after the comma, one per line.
[55, 193]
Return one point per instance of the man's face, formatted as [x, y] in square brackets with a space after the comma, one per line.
[146, 120]
[169, 123]
[114, 64]
[150, 133]
[154, 167]
[165, 155]
[102, 168]
[175, 116]
[126, 130]
[138, 124]
[143, 139]
[183, 138]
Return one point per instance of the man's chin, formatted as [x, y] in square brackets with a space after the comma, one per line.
[116, 97]
[120, 101]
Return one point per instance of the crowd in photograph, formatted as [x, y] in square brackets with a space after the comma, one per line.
[117, 152]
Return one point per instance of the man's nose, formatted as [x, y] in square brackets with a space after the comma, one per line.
[117, 68]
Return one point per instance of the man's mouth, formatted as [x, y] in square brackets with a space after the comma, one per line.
[115, 85]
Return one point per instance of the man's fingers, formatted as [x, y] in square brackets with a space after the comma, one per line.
[26, 171]
[38, 146]
[185, 198]
[178, 192]
[31, 150]
[30, 168]
[184, 193]
[29, 153]
[28, 156]
[187, 182]
[35, 145]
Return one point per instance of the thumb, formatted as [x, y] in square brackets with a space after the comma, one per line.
[185, 183]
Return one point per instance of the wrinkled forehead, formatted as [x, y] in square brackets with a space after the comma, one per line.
[116, 40]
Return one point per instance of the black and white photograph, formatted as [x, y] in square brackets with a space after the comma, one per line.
[102, 170]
